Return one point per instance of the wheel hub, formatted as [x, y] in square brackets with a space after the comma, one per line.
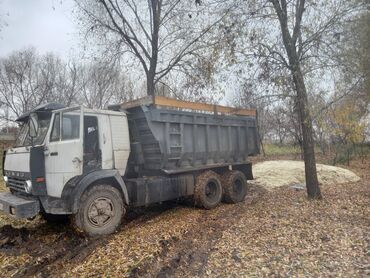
[211, 191]
[100, 212]
[237, 186]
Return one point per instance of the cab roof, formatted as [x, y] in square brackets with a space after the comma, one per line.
[48, 107]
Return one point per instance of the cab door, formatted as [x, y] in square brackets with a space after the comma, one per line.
[64, 149]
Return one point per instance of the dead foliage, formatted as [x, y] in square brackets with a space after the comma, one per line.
[273, 233]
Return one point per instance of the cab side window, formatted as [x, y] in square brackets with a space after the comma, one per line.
[55, 133]
[92, 152]
[70, 126]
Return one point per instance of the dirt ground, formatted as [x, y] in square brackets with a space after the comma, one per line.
[277, 232]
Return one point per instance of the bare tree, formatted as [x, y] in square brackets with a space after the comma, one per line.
[288, 43]
[20, 81]
[28, 79]
[59, 79]
[159, 34]
[250, 97]
[290, 34]
[354, 55]
[68, 83]
[103, 83]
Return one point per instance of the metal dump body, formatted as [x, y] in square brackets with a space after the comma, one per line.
[176, 136]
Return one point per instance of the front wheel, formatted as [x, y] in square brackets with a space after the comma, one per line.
[101, 211]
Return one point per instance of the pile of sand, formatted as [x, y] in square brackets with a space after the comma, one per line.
[272, 174]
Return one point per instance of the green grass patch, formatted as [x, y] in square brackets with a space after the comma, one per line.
[275, 149]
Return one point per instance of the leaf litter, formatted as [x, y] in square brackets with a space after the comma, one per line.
[275, 232]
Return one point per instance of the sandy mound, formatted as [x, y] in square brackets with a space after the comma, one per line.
[272, 174]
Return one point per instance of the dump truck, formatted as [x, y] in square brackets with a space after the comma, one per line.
[93, 165]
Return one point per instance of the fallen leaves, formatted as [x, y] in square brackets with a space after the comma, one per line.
[273, 233]
[312, 239]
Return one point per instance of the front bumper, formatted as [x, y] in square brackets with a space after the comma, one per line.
[18, 206]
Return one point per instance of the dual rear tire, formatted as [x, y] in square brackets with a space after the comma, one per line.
[211, 189]
[208, 190]
[234, 184]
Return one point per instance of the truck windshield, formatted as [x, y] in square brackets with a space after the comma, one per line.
[24, 139]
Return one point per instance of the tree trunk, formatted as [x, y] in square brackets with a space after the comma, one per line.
[150, 86]
[312, 183]
[289, 41]
[262, 148]
[156, 14]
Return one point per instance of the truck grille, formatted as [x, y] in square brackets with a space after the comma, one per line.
[17, 184]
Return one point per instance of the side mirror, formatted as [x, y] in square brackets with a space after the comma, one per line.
[33, 125]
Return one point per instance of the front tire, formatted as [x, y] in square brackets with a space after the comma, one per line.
[208, 190]
[101, 211]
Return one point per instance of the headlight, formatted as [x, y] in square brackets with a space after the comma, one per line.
[28, 186]
[5, 178]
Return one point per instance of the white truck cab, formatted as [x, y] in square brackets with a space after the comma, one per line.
[82, 140]
[67, 144]
[74, 141]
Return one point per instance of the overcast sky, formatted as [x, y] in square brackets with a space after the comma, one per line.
[45, 24]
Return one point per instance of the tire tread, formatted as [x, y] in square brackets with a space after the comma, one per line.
[227, 180]
[201, 182]
[77, 219]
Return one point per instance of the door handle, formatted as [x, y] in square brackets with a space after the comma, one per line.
[54, 154]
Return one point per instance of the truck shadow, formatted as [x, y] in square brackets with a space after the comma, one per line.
[142, 214]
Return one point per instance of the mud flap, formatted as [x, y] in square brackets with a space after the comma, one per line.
[18, 207]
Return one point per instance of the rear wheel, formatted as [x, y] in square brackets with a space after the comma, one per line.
[234, 184]
[101, 211]
[208, 190]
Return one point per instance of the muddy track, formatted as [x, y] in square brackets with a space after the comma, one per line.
[52, 248]
[188, 256]
[48, 258]
[192, 252]
[45, 256]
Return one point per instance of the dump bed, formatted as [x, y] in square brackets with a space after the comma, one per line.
[177, 136]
